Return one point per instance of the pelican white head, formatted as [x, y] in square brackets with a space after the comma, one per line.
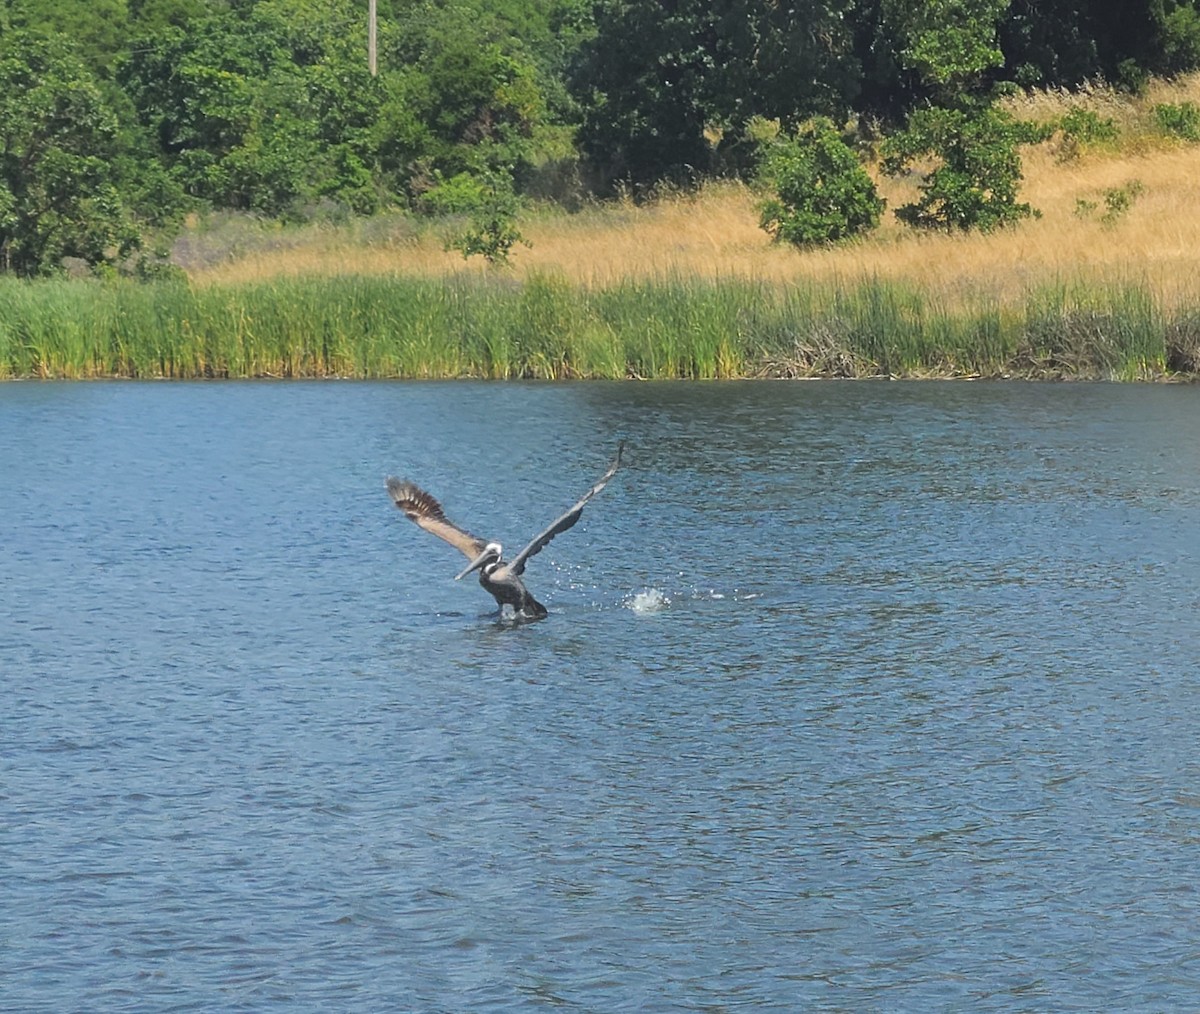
[492, 553]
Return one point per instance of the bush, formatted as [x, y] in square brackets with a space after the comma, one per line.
[1081, 129]
[461, 194]
[1117, 201]
[492, 232]
[1182, 120]
[823, 194]
[1088, 127]
[977, 171]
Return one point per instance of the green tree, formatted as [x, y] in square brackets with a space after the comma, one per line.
[823, 194]
[263, 108]
[59, 155]
[98, 29]
[150, 16]
[1180, 40]
[913, 52]
[656, 78]
[950, 43]
[976, 176]
[465, 95]
[640, 82]
[1065, 42]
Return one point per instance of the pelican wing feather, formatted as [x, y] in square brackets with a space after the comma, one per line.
[420, 507]
[517, 565]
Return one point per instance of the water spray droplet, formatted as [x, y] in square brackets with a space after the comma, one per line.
[649, 601]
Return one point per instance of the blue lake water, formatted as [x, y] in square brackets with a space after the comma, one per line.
[852, 696]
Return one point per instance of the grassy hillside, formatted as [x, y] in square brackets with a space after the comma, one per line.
[714, 234]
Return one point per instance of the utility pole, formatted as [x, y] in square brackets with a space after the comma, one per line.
[371, 38]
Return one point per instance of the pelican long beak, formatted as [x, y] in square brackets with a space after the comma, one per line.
[475, 564]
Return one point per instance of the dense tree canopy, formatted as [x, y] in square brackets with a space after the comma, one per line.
[655, 77]
[268, 105]
[60, 192]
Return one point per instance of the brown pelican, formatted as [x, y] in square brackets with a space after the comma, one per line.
[502, 579]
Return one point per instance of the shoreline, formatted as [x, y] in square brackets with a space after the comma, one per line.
[546, 328]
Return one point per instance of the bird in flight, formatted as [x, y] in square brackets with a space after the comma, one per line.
[501, 579]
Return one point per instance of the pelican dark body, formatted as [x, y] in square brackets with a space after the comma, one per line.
[502, 580]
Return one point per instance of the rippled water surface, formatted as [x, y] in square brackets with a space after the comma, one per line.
[865, 696]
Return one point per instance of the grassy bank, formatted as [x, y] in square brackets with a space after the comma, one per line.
[687, 286]
[548, 327]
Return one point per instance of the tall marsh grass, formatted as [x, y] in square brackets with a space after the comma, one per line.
[547, 327]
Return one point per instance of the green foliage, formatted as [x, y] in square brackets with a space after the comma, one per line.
[150, 16]
[949, 43]
[1131, 76]
[1180, 40]
[263, 108]
[459, 195]
[1179, 120]
[977, 168]
[913, 52]
[640, 81]
[493, 231]
[1066, 42]
[467, 95]
[60, 192]
[267, 105]
[1088, 127]
[1081, 129]
[656, 76]
[1117, 201]
[97, 28]
[823, 194]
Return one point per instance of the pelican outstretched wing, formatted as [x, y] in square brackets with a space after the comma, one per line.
[517, 566]
[420, 507]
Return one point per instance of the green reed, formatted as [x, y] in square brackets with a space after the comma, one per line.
[1073, 331]
[546, 327]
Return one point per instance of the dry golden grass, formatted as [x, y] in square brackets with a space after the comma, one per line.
[1133, 115]
[714, 234]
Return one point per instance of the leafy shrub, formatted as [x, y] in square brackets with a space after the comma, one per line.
[461, 194]
[1080, 129]
[1182, 120]
[823, 194]
[1117, 201]
[492, 232]
[977, 169]
[1088, 127]
[1131, 76]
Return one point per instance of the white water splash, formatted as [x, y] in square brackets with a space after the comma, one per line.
[649, 601]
